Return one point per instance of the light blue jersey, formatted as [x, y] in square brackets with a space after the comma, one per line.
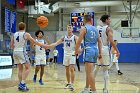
[90, 44]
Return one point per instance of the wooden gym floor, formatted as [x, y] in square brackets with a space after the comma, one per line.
[54, 80]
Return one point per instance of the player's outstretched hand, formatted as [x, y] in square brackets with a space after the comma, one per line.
[99, 56]
[117, 54]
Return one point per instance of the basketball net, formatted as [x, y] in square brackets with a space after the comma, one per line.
[131, 37]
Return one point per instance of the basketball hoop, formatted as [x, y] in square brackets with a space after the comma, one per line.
[132, 38]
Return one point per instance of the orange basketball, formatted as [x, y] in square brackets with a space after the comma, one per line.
[42, 21]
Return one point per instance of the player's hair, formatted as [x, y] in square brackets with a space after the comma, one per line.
[87, 18]
[115, 40]
[104, 17]
[38, 31]
[69, 25]
[21, 26]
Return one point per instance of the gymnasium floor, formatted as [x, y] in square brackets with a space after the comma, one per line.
[54, 79]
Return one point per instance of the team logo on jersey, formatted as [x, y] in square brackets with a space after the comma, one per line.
[68, 43]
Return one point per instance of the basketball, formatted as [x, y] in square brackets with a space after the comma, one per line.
[42, 21]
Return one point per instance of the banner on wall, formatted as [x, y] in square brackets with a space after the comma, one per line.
[13, 22]
[7, 20]
[77, 20]
[5, 60]
[10, 21]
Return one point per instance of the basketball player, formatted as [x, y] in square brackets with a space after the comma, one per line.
[40, 56]
[18, 43]
[69, 55]
[106, 35]
[114, 59]
[90, 35]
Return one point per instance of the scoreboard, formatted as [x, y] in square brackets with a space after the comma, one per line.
[77, 20]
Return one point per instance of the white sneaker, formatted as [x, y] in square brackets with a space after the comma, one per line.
[105, 90]
[71, 87]
[86, 90]
[67, 86]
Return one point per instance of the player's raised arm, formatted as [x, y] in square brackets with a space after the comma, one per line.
[110, 37]
[99, 47]
[54, 44]
[79, 40]
[28, 37]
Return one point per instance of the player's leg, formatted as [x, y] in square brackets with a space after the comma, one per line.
[72, 75]
[20, 72]
[37, 68]
[111, 63]
[42, 65]
[21, 85]
[118, 69]
[41, 74]
[66, 64]
[26, 71]
[115, 60]
[96, 69]
[106, 78]
[90, 76]
[67, 77]
[90, 58]
[106, 61]
[24, 60]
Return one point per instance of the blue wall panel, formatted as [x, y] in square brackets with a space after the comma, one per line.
[129, 52]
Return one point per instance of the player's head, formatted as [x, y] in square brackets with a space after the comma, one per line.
[69, 28]
[39, 34]
[87, 18]
[105, 19]
[21, 26]
[115, 41]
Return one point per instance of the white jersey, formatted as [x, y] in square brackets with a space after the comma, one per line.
[55, 52]
[38, 49]
[19, 41]
[104, 39]
[69, 45]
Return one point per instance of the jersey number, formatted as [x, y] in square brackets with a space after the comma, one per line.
[40, 48]
[92, 34]
[68, 44]
[100, 32]
[17, 38]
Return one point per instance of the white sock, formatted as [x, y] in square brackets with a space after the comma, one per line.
[117, 66]
[96, 69]
[22, 82]
[106, 76]
[94, 92]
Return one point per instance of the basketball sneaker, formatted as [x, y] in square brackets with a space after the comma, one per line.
[34, 78]
[119, 72]
[71, 87]
[105, 90]
[22, 87]
[86, 90]
[41, 82]
[67, 86]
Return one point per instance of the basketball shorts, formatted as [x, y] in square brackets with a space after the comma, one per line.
[91, 55]
[20, 57]
[40, 60]
[104, 61]
[114, 58]
[69, 60]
